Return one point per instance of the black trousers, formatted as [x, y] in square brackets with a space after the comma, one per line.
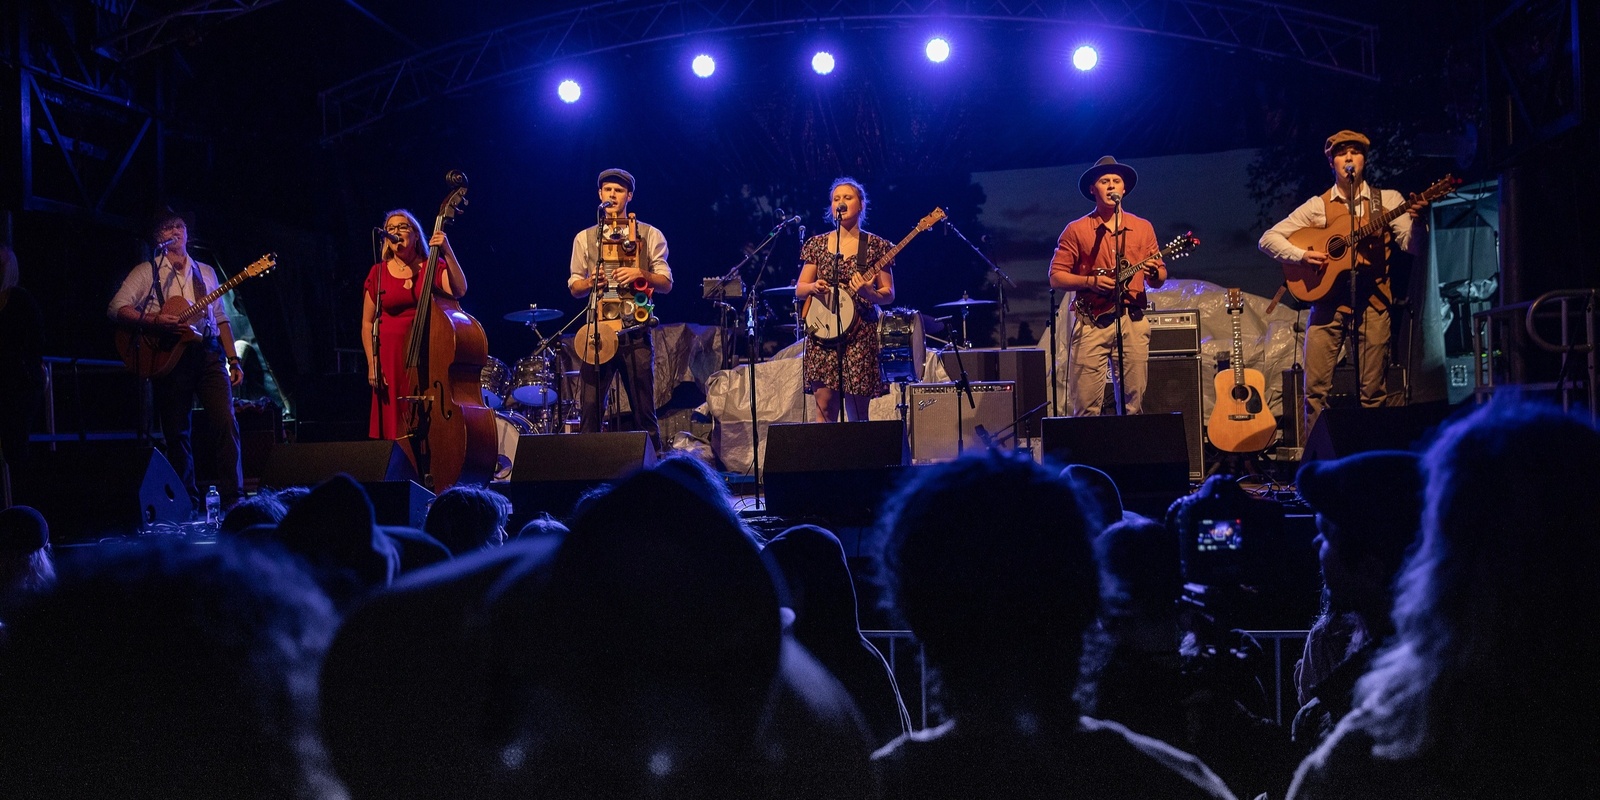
[201, 372]
[636, 360]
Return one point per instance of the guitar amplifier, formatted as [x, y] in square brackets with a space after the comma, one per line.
[1174, 333]
[933, 418]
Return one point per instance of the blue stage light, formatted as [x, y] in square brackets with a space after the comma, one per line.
[1084, 58]
[704, 65]
[569, 91]
[938, 50]
[822, 62]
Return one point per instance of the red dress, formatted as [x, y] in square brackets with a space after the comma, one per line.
[397, 308]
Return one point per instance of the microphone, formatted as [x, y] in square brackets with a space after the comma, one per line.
[393, 239]
[1350, 171]
[1114, 198]
[840, 210]
[166, 244]
[985, 436]
[607, 204]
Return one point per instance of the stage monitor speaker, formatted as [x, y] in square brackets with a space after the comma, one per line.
[552, 471]
[581, 456]
[936, 406]
[1174, 384]
[1175, 333]
[1344, 393]
[839, 471]
[1147, 455]
[304, 464]
[1024, 366]
[1340, 432]
[89, 492]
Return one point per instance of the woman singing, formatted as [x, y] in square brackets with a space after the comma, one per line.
[390, 303]
[863, 379]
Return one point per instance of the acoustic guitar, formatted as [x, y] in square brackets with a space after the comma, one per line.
[151, 353]
[821, 320]
[1311, 283]
[1240, 421]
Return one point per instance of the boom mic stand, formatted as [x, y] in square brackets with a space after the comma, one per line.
[749, 316]
[1116, 292]
[594, 315]
[1358, 314]
[1000, 283]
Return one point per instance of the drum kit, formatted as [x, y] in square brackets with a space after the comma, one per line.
[902, 332]
[537, 395]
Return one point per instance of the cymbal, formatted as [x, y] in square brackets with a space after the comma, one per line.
[965, 303]
[534, 315]
[787, 291]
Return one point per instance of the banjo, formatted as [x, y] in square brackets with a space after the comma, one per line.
[820, 319]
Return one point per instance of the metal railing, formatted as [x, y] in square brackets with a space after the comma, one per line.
[1496, 329]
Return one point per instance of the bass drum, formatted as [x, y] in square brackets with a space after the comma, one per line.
[902, 347]
[509, 427]
[495, 380]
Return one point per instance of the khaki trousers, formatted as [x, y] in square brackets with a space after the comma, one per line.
[1093, 351]
[1323, 344]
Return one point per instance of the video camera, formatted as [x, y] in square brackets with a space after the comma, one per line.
[1227, 537]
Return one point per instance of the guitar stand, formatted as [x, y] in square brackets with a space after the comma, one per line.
[1239, 465]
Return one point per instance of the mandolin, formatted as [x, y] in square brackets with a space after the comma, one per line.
[1130, 281]
[1240, 421]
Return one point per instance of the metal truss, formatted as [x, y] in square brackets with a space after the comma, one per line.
[508, 53]
[187, 23]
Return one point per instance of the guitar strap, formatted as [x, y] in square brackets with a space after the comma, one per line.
[861, 251]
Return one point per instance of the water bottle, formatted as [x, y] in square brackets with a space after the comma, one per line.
[213, 508]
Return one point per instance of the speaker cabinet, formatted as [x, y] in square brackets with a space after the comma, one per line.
[1146, 455]
[1340, 432]
[1024, 366]
[838, 471]
[88, 493]
[1174, 385]
[1346, 392]
[303, 464]
[935, 408]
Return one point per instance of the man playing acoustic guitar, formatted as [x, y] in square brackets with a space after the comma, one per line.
[1328, 329]
[207, 368]
[1085, 262]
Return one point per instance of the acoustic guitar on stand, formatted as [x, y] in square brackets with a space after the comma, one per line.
[1240, 420]
[1310, 283]
[828, 327]
[151, 353]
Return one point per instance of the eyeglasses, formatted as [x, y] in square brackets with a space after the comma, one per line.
[401, 228]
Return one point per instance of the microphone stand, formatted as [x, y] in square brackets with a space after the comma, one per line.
[594, 317]
[838, 313]
[749, 314]
[1000, 284]
[377, 352]
[962, 386]
[1055, 349]
[1116, 290]
[1357, 313]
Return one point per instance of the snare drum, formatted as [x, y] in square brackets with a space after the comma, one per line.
[508, 428]
[535, 382]
[494, 379]
[901, 344]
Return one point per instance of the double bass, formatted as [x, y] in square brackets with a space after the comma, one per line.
[450, 432]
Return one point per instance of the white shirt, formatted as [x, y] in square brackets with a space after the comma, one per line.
[175, 281]
[1314, 214]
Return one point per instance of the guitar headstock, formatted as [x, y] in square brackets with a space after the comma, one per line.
[1180, 245]
[1235, 301]
[1443, 187]
[262, 265]
[931, 220]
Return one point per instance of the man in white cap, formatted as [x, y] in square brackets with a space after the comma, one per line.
[1085, 262]
[644, 261]
[1326, 333]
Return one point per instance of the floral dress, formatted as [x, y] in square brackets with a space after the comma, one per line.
[862, 373]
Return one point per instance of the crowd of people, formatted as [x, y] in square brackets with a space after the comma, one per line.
[653, 645]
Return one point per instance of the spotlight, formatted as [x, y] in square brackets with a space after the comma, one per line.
[569, 91]
[822, 62]
[938, 50]
[1084, 58]
[704, 65]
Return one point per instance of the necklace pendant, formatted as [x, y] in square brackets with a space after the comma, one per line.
[408, 283]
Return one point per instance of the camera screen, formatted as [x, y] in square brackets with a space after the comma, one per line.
[1218, 535]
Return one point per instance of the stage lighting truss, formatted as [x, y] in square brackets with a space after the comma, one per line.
[509, 53]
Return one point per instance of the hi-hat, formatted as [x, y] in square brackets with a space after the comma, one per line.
[781, 290]
[534, 315]
[965, 303]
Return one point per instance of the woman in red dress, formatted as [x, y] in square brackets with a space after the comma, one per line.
[389, 304]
